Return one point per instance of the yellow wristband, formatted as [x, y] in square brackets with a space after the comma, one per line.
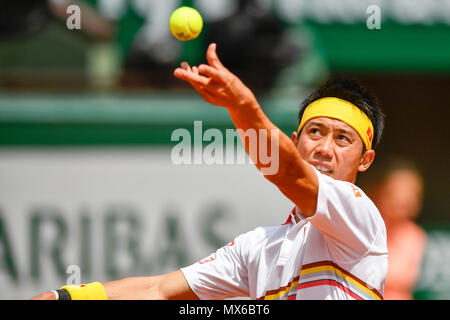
[90, 291]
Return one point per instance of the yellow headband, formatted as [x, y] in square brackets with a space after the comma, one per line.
[343, 110]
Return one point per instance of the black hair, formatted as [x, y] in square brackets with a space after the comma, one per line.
[352, 91]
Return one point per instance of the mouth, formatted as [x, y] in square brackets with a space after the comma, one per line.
[323, 168]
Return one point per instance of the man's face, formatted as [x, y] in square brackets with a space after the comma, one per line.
[334, 148]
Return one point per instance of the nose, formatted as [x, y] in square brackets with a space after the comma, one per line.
[325, 147]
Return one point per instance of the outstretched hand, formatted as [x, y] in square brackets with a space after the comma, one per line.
[215, 83]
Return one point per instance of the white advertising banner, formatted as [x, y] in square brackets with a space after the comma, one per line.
[76, 215]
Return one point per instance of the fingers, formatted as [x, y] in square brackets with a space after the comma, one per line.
[204, 75]
[185, 66]
[211, 56]
[202, 89]
[194, 78]
[202, 69]
[209, 71]
[199, 82]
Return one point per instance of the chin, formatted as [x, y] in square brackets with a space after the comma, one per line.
[337, 177]
[330, 174]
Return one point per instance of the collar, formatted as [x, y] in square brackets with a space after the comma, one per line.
[295, 213]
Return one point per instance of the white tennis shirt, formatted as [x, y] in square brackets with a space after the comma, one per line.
[338, 253]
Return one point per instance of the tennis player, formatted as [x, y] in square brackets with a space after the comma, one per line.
[333, 243]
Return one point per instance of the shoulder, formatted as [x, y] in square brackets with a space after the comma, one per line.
[346, 193]
[346, 212]
[262, 234]
[252, 243]
[344, 187]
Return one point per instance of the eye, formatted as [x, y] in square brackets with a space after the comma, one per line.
[342, 139]
[314, 131]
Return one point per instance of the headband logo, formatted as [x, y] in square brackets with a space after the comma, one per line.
[369, 134]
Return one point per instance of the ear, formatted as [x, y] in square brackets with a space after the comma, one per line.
[294, 138]
[366, 160]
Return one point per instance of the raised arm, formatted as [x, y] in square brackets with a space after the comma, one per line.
[169, 286]
[295, 178]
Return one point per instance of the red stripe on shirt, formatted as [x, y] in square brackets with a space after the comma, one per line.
[328, 283]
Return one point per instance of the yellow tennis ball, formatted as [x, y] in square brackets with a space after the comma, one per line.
[185, 23]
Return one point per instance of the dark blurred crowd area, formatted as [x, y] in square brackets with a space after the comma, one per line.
[40, 52]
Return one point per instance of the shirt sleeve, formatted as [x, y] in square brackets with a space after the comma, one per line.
[221, 275]
[346, 217]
